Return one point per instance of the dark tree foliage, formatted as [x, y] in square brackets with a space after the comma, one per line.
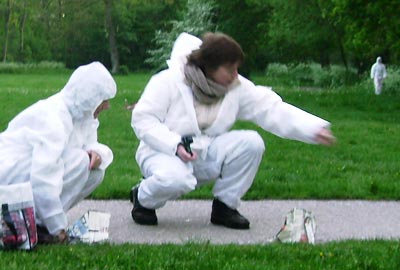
[370, 29]
[347, 32]
[137, 22]
[247, 22]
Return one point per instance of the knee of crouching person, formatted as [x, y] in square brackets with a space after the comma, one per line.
[182, 184]
[254, 142]
[97, 176]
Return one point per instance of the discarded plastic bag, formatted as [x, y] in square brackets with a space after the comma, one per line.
[299, 227]
[17, 217]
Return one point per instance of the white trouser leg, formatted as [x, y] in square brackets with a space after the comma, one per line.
[233, 160]
[79, 181]
[378, 86]
[166, 178]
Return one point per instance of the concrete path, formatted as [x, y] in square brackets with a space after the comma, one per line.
[185, 221]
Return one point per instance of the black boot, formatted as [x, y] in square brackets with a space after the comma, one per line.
[223, 215]
[140, 214]
[45, 238]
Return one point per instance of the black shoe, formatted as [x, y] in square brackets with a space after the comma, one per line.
[45, 238]
[140, 214]
[223, 215]
[43, 235]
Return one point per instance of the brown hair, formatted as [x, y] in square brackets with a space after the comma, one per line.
[217, 49]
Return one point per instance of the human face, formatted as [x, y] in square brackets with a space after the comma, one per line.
[105, 105]
[225, 74]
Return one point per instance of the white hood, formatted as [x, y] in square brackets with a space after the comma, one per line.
[183, 46]
[87, 88]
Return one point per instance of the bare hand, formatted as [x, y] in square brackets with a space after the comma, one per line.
[63, 237]
[185, 156]
[325, 137]
[94, 160]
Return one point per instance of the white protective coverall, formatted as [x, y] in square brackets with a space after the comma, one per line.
[47, 144]
[165, 112]
[378, 73]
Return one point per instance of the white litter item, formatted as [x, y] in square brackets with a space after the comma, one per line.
[92, 227]
[299, 227]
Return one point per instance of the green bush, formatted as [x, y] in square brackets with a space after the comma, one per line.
[321, 76]
[277, 69]
[123, 70]
[277, 72]
[16, 67]
[340, 76]
[312, 75]
[392, 82]
[301, 74]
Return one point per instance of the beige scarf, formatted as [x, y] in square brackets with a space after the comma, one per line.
[205, 91]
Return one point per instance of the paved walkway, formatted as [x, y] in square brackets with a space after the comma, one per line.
[185, 221]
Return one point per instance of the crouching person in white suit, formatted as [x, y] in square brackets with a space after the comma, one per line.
[202, 95]
[53, 145]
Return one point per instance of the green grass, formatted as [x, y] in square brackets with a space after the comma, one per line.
[350, 255]
[363, 164]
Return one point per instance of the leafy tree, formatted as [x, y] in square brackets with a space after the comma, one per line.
[84, 35]
[135, 22]
[7, 22]
[196, 19]
[351, 32]
[111, 35]
[247, 21]
[300, 32]
[371, 29]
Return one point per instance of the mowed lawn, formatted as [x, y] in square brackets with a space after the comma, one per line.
[363, 164]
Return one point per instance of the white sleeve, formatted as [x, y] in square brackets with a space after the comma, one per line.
[264, 107]
[48, 142]
[91, 143]
[373, 71]
[149, 114]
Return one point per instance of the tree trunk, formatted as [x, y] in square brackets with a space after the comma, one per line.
[21, 31]
[7, 28]
[343, 53]
[111, 37]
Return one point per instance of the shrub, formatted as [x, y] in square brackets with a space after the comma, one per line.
[302, 74]
[312, 74]
[277, 72]
[321, 76]
[277, 69]
[123, 70]
[15, 67]
[392, 82]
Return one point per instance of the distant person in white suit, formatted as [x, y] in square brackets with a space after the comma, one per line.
[202, 95]
[378, 74]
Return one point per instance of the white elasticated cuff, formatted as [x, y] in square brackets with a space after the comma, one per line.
[56, 223]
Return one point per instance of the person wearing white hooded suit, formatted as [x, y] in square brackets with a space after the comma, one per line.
[378, 74]
[53, 145]
[172, 107]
